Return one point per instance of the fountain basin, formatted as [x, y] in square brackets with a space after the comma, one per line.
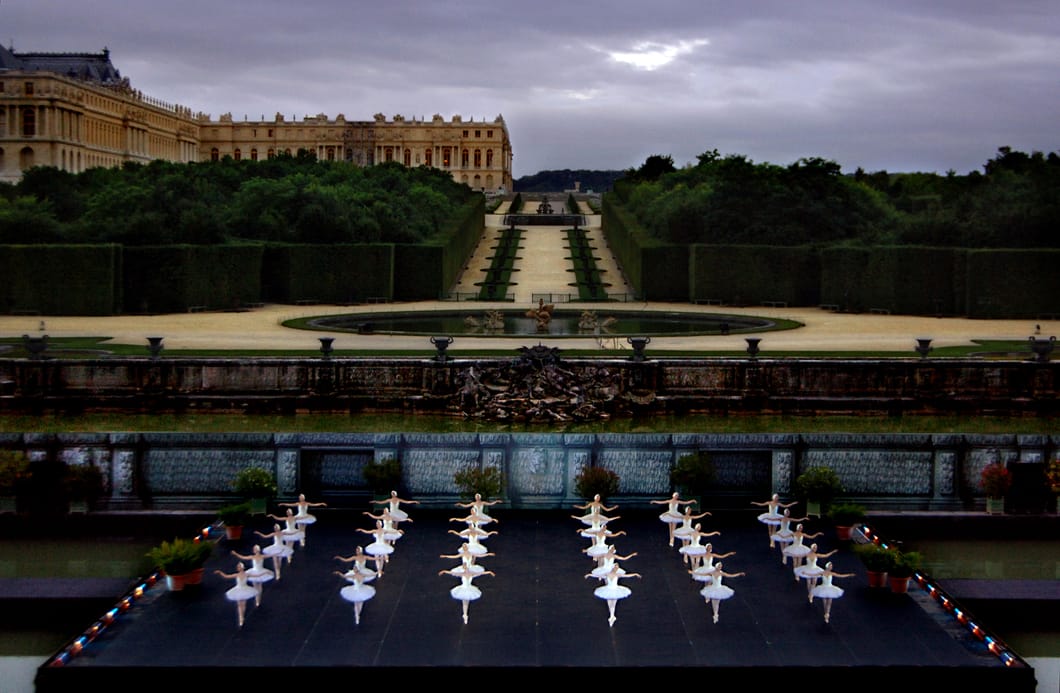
[564, 323]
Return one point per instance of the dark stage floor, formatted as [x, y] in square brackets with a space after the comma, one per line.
[537, 616]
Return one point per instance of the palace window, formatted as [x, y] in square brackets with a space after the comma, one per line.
[29, 122]
[388, 153]
[478, 158]
[446, 157]
[463, 158]
[270, 132]
[489, 133]
[489, 158]
[253, 154]
[271, 154]
[427, 156]
[215, 154]
[238, 155]
[407, 158]
[29, 88]
[478, 133]
[330, 153]
[465, 133]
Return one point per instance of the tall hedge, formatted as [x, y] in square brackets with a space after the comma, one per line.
[658, 271]
[61, 279]
[900, 279]
[168, 279]
[340, 273]
[755, 273]
[1013, 283]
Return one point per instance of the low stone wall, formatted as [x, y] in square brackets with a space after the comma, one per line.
[579, 386]
[194, 470]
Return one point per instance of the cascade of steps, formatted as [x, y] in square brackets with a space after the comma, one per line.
[543, 266]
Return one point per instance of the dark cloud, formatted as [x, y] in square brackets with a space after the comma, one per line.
[903, 85]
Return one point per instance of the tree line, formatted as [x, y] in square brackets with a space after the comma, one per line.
[294, 199]
[1013, 203]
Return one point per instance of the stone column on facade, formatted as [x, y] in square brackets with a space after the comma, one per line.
[783, 466]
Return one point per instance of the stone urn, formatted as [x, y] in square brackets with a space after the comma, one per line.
[154, 346]
[1042, 348]
[923, 346]
[638, 344]
[325, 346]
[441, 344]
[35, 345]
[752, 346]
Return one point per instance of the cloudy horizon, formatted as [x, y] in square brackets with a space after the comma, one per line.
[603, 85]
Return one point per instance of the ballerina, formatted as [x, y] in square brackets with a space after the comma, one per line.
[783, 532]
[810, 571]
[380, 549]
[684, 532]
[796, 549]
[278, 550]
[716, 592]
[467, 561]
[693, 551]
[608, 560]
[360, 565]
[596, 509]
[465, 592]
[826, 591]
[599, 546]
[478, 505]
[702, 573]
[611, 590]
[357, 592]
[392, 531]
[473, 536]
[596, 523]
[241, 593]
[302, 516]
[771, 517]
[394, 502]
[672, 516]
[292, 533]
[474, 518]
[257, 574]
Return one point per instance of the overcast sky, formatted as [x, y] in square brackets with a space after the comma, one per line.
[901, 85]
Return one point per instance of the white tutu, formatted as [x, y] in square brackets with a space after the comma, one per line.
[612, 592]
[357, 593]
[465, 593]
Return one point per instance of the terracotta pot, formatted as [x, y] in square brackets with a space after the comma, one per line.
[174, 583]
[876, 579]
[844, 533]
[194, 577]
[234, 532]
[899, 585]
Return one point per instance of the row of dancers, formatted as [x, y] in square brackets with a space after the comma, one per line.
[471, 550]
[385, 533]
[250, 581]
[699, 557]
[606, 555]
[819, 581]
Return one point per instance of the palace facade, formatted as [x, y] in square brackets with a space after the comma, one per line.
[74, 111]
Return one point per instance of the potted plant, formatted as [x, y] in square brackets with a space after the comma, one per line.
[844, 516]
[181, 560]
[877, 561]
[905, 563]
[257, 485]
[488, 482]
[383, 476]
[1052, 477]
[234, 517]
[83, 485]
[817, 486]
[593, 481]
[693, 474]
[995, 480]
[14, 478]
